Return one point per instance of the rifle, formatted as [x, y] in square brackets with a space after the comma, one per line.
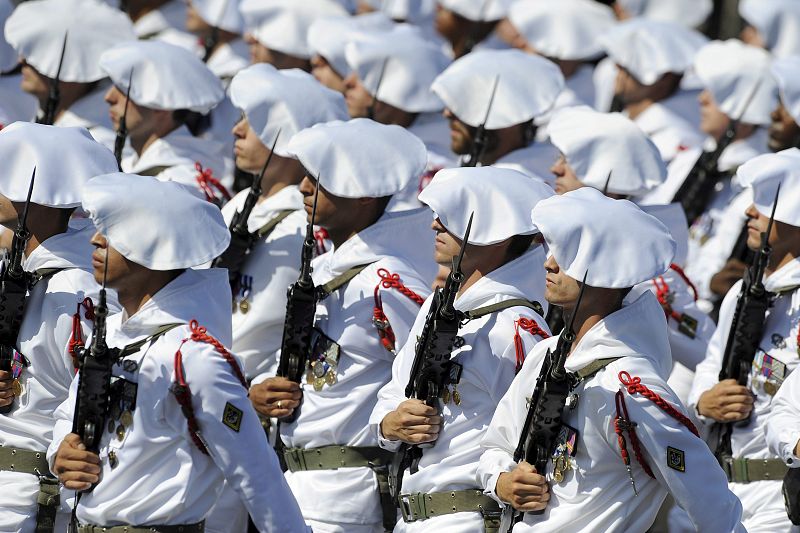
[543, 421]
[696, 190]
[242, 240]
[54, 96]
[14, 285]
[371, 108]
[433, 370]
[747, 329]
[211, 40]
[479, 141]
[301, 305]
[122, 131]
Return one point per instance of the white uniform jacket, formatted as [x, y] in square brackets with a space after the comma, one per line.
[596, 493]
[44, 340]
[669, 132]
[272, 265]
[339, 413]
[488, 359]
[159, 476]
[783, 423]
[91, 112]
[774, 360]
[534, 160]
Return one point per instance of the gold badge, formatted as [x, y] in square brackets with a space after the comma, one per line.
[120, 432]
[770, 388]
[244, 306]
[676, 459]
[126, 418]
[16, 387]
[232, 417]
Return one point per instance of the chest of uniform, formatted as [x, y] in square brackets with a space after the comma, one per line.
[778, 353]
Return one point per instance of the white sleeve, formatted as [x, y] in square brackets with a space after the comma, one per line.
[63, 421]
[783, 422]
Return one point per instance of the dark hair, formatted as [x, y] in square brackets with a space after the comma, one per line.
[196, 122]
[519, 245]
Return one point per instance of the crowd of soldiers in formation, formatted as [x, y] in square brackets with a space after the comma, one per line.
[542, 260]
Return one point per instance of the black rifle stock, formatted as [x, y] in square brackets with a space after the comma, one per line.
[432, 369]
[14, 285]
[371, 108]
[479, 140]
[54, 95]
[122, 130]
[543, 420]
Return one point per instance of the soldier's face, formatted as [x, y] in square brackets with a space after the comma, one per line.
[250, 152]
[712, 120]
[560, 289]
[566, 180]
[784, 132]
[446, 245]
[356, 96]
[329, 207]
[8, 213]
[194, 22]
[33, 82]
[448, 24]
[119, 268]
[136, 116]
[628, 88]
[461, 135]
[757, 223]
[324, 73]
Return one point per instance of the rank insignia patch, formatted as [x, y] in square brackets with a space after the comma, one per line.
[232, 417]
[676, 459]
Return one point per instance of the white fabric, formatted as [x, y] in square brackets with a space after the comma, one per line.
[283, 26]
[359, 158]
[157, 460]
[761, 500]
[614, 241]
[288, 101]
[737, 75]
[328, 37]
[164, 76]
[488, 357]
[567, 29]
[8, 57]
[673, 217]
[182, 230]
[228, 60]
[169, 17]
[669, 132]
[637, 334]
[534, 160]
[17, 104]
[764, 173]
[783, 424]
[413, 11]
[648, 49]
[90, 112]
[527, 86]
[500, 200]
[339, 414]
[64, 159]
[598, 144]
[777, 22]
[786, 71]
[222, 14]
[44, 340]
[409, 64]
[478, 10]
[36, 31]
[689, 13]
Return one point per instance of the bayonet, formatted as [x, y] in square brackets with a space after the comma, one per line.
[479, 140]
[122, 129]
[54, 96]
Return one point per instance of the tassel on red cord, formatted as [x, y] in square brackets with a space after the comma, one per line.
[76, 342]
[321, 235]
[389, 281]
[678, 270]
[634, 385]
[207, 183]
[529, 325]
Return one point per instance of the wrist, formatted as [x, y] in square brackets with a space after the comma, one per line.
[386, 433]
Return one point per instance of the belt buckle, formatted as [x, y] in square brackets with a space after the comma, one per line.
[405, 509]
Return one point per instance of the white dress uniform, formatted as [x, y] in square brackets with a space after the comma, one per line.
[669, 132]
[783, 423]
[91, 112]
[637, 334]
[488, 359]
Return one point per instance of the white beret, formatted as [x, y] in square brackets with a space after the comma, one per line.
[595, 144]
[689, 13]
[732, 71]
[8, 57]
[777, 21]
[360, 158]
[328, 37]
[500, 198]
[181, 229]
[283, 26]
[222, 14]
[674, 218]
[411, 64]
[648, 49]
[413, 11]
[527, 87]
[567, 29]
[618, 244]
[165, 76]
[36, 30]
[287, 100]
[786, 71]
[764, 173]
[478, 10]
[64, 158]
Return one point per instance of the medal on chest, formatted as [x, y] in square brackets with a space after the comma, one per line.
[566, 447]
[322, 365]
[18, 364]
[241, 300]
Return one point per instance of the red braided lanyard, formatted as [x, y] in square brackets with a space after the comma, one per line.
[389, 281]
[76, 342]
[685, 278]
[207, 183]
[321, 235]
[662, 293]
[180, 388]
[529, 325]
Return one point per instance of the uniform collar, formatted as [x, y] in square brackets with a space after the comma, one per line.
[229, 59]
[786, 277]
[179, 147]
[70, 249]
[89, 111]
[287, 198]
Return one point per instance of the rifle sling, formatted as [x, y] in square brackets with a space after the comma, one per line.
[136, 346]
[500, 306]
[265, 230]
[323, 291]
[153, 171]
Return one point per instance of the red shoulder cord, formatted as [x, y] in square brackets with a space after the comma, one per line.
[321, 235]
[529, 325]
[678, 270]
[76, 342]
[207, 183]
[389, 281]
[180, 388]
[663, 292]
[622, 421]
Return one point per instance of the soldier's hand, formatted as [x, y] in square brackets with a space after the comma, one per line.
[276, 397]
[413, 422]
[727, 401]
[523, 488]
[722, 281]
[6, 392]
[76, 468]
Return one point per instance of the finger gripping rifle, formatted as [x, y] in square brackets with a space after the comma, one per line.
[14, 285]
[54, 96]
[479, 140]
[543, 421]
[242, 239]
[122, 131]
[433, 369]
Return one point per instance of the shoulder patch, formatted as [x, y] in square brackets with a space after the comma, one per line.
[676, 459]
[232, 417]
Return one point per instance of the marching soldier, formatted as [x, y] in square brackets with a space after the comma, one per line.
[157, 19]
[466, 24]
[501, 311]
[784, 131]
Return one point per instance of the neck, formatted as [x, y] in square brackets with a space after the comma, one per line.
[138, 293]
[43, 223]
[69, 93]
[339, 236]
[505, 144]
[637, 108]
[281, 173]
[594, 308]
[140, 143]
[779, 259]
